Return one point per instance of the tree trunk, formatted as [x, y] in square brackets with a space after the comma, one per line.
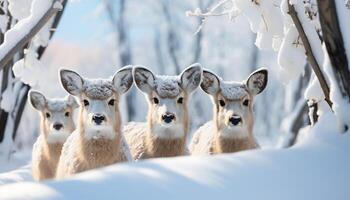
[333, 40]
[117, 19]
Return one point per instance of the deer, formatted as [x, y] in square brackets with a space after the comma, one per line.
[165, 131]
[97, 141]
[56, 124]
[231, 129]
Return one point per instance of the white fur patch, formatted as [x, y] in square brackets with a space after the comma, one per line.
[168, 131]
[55, 136]
[234, 132]
[167, 86]
[232, 90]
[99, 132]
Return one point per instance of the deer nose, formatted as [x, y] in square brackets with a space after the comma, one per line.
[168, 118]
[235, 120]
[57, 126]
[98, 118]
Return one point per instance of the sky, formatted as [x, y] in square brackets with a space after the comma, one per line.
[79, 26]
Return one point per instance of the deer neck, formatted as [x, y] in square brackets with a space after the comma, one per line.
[165, 142]
[225, 142]
[100, 151]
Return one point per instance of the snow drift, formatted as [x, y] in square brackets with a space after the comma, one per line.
[316, 168]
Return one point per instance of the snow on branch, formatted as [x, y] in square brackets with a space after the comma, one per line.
[309, 53]
[19, 35]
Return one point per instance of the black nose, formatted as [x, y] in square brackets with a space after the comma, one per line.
[57, 126]
[167, 118]
[235, 120]
[98, 119]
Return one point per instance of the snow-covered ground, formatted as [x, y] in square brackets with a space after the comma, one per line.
[316, 168]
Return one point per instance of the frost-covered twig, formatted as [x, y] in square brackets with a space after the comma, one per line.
[309, 54]
[10, 48]
[198, 12]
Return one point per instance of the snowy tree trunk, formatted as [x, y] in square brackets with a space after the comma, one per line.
[333, 40]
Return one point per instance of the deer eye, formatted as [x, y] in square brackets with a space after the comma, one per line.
[246, 102]
[47, 115]
[66, 114]
[222, 103]
[86, 102]
[155, 100]
[180, 100]
[111, 102]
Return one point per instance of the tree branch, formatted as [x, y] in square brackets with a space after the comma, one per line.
[24, 40]
[309, 53]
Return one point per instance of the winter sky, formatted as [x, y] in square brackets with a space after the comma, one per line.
[82, 22]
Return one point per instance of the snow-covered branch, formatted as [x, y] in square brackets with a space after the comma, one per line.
[309, 53]
[19, 35]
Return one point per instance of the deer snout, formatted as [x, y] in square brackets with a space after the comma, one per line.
[98, 118]
[168, 117]
[57, 126]
[235, 120]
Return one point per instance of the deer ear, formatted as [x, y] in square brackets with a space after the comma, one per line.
[191, 77]
[144, 79]
[257, 81]
[210, 83]
[122, 79]
[37, 100]
[72, 102]
[71, 81]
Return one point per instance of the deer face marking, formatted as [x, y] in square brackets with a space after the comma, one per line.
[56, 114]
[98, 99]
[168, 97]
[233, 113]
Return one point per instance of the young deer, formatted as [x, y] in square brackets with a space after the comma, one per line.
[232, 124]
[165, 132]
[56, 125]
[97, 142]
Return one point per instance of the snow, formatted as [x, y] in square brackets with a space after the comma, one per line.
[18, 31]
[291, 56]
[167, 86]
[232, 90]
[3, 23]
[343, 17]
[341, 105]
[265, 20]
[317, 168]
[21, 174]
[19, 9]
[98, 88]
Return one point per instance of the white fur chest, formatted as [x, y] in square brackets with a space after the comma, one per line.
[168, 132]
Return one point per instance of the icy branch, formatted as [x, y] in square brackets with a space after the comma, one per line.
[19, 35]
[309, 53]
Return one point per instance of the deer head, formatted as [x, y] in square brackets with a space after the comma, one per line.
[56, 116]
[233, 102]
[99, 100]
[167, 97]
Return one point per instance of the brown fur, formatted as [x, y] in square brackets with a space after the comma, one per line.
[90, 154]
[143, 143]
[45, 159]
[224, 145]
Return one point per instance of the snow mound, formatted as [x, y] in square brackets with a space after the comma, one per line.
[316, 168]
